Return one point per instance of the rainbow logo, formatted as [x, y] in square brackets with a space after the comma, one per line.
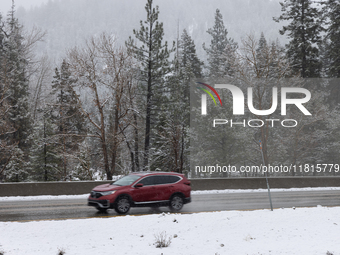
[209, 93]
[204, 97]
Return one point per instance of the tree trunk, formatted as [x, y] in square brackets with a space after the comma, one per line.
[115, 139]
[136, 157]
[148, 106]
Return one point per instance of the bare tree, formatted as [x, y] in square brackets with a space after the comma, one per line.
[261, 65]
[104, 71]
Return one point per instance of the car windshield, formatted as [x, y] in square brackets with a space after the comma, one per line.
[126, 180]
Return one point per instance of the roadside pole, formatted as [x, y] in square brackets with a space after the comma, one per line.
[270, 197]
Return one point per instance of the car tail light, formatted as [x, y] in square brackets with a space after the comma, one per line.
[187, 183]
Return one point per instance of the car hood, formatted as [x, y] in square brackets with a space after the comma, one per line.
[107, 187]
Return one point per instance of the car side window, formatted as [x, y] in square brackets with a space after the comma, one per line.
[173, 179]
[160, 179]
[148, 181]
[166, 179]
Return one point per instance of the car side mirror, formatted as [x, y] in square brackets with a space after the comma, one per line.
[139, 185]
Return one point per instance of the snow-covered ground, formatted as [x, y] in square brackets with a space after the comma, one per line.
[302, 231]
[21, 198]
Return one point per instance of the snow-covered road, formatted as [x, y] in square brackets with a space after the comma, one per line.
[85, 196]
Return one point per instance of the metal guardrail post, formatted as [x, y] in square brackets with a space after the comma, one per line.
[270, 197]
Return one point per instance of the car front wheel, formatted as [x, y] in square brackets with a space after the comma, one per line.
[176, 203]
[122, 205]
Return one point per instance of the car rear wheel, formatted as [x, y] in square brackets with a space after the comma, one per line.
[176, 203]
[122, 205]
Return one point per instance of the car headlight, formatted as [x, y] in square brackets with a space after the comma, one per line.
[105, 193]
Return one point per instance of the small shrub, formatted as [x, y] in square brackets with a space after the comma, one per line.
[61, 252]
[162, 240]
[329, 253]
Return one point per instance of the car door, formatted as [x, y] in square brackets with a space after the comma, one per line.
[165, 186]
[146, 193]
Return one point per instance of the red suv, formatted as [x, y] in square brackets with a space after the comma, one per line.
[152, 189]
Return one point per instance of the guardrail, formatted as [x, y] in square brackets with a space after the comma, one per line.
[83, 187]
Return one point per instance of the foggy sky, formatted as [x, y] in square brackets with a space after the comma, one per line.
[5, 5]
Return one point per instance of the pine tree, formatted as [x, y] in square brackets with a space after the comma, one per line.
[14, 76]
[67, 116]
[304, 32]
[19, 92]
[269, 60]
[6, 148]
[262, 54]
[83, 170]
[332, 47]
[188, 58]
[153, 56]
[45, 155]
[220, 47]
[171, 138]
